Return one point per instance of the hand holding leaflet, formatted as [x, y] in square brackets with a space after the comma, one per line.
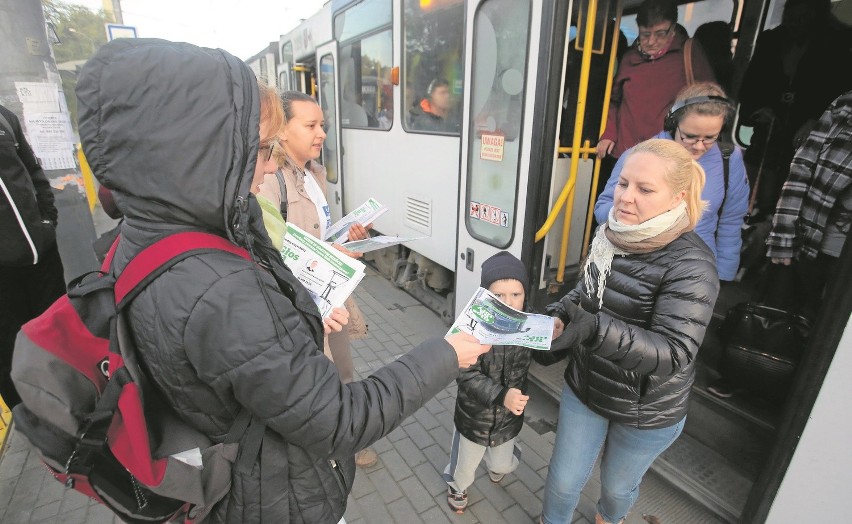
[364, 214]
[493, 322]
[376, 242]
[329, 275]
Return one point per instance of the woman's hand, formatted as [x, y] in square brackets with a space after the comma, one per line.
[346, 252]
[467, 348]
[338, 318]
[359, 232]
[558, 327]
[604, 147]
[515, 401]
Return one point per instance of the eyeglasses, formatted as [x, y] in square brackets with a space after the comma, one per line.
[644, 36]
[694, 139]
[270, 147]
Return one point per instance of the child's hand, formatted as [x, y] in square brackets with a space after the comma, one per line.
[558, 327]
[515, 401]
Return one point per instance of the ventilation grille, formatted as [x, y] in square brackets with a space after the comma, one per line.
[418, 215]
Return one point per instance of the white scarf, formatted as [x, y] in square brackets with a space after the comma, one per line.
[603, 251]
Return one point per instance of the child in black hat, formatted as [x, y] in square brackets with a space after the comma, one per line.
[491, 400]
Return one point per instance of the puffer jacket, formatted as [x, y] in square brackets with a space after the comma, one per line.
[172, 130]
[639, 367]
[480, 414]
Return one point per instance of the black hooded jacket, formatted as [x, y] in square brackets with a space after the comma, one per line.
[172, 130]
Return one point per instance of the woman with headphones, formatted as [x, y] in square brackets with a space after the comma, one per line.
[696, 121]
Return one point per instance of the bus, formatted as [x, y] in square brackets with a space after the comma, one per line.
[502, 173]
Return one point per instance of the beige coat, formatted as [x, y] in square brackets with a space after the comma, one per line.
[302, 212]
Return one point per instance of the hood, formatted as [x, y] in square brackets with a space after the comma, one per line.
[172, 129]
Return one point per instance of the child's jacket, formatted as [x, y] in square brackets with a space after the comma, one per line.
[480, 414]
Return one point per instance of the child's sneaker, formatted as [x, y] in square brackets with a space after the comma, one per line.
[457, 500]
[495, 477]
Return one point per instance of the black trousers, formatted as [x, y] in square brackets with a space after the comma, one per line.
[25, 292]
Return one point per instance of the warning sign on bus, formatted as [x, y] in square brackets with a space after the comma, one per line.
[492, 147]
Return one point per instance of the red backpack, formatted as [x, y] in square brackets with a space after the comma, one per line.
[94, 418]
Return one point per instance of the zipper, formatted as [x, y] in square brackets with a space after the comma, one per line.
[338, 475]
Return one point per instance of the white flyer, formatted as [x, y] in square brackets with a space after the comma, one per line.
[376, 242]
[329, 275]
[364, 214]
[493, 322]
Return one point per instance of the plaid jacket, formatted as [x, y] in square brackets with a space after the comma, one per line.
[820, 172]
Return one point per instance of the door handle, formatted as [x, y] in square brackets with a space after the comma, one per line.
[336, 197]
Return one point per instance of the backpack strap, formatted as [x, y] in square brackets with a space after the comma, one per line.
[727, 150]
[687, 62]
[283, 183]
[160, 256]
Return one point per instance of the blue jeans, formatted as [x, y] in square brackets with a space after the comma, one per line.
[628, 453]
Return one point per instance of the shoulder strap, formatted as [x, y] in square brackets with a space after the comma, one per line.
[160, 256]
[727, 150]
[283, 183]
[687, 62]
[4, 122]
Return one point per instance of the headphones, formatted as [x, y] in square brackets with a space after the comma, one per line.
[672, 119]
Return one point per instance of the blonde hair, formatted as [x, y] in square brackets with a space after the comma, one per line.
[682, 173]
[271, 111]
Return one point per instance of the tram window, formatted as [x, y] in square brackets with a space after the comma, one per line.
[501, 38]
[366, 60]
[434, 39]
[327, 102]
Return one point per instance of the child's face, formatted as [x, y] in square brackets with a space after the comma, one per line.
[509, 291]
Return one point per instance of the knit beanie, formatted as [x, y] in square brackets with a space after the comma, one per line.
[503, 265]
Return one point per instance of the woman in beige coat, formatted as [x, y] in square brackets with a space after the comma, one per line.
[302, 181]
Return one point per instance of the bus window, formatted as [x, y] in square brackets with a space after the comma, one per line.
[366, 59]
[501, 32]
[432, 66]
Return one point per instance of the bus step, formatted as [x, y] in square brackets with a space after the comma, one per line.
[706, 476]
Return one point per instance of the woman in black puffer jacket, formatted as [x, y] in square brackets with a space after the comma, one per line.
[632, 328]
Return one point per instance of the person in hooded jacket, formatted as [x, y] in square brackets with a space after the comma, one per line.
[180, 135]
[631, 330]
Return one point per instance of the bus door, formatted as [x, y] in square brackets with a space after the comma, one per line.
[326, 56]
[500, 75]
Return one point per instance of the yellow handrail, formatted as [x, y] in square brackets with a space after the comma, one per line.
[88, 179]
[613, 52]
[568, 190]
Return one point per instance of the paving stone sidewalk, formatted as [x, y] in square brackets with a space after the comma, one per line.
[405, 485]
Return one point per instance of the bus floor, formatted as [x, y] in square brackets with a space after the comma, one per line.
[405, 485]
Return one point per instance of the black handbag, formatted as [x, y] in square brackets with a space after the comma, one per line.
[762, 346]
